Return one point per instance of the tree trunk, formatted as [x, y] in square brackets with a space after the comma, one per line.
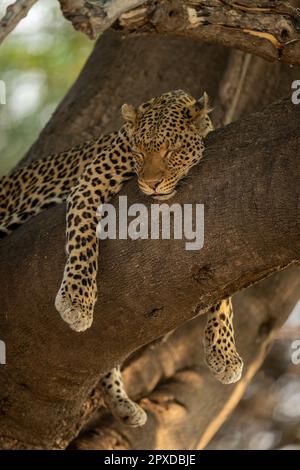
[160, 362]
[185, 404]
[51, 370]
[90, 108]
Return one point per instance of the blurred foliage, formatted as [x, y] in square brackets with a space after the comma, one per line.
[39, 61]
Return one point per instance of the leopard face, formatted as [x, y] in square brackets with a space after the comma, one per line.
[166, 139]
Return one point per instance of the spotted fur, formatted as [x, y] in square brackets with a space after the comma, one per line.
[159, 142]
[219, 344]
[117, 400]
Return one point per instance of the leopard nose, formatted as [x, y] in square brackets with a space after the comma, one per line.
[153, 184]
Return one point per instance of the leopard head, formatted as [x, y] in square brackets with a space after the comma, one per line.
[166, 139]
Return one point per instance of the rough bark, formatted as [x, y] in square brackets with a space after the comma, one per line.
[94, 18]
[157, 363]
[115, 68]
[14, 14]
[69, 366]
[185, 405]
[270, 29]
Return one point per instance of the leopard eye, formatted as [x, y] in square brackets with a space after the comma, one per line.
[138, 159]
[171, 152]
[174, 149]
[137, 153]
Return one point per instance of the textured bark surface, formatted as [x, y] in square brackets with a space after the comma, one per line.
[259, 310]
[50, 369]
[270, 29]
[14, 14]
[185, 405]
[92, 106]
[93, 18]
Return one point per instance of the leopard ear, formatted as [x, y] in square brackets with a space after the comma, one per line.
[203, 103]
[129, 114]
[200, 108]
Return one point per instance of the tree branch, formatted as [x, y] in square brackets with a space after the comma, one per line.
[181, 350]
[270, 29]
[87, 111]
[62, 375]
[265, 28]
[184, 403]
[94, 18]
[14, 14]
[241, 248]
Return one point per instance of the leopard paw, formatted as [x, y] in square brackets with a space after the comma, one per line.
[128, 412]
[77, 315]
[226, 367]
[116, 399]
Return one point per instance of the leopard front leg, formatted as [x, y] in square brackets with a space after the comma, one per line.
[220, 352]
[118, 402]
[78, 291]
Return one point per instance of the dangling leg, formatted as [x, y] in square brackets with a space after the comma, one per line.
[220, 352]
[118, 402]
[100, 180]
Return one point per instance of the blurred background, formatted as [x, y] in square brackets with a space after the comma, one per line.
[39, 61]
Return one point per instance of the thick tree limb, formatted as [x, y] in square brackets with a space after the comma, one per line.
[241, 248]
[159, 363]
[265, 28]
[14, 14]
[270, 29]
[64, 373]
[182, 406]
[87, 111]
[94, 18]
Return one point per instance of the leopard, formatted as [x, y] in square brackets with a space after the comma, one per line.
[158, 143]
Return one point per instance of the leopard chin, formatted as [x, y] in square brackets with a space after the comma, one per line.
[164, 197]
